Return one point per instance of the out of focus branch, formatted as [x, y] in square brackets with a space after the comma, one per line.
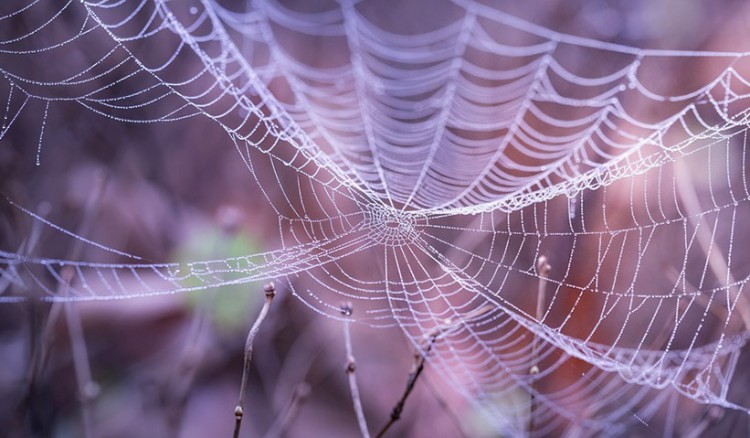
[351, 365]
[420, 357]
[87, 388]
[419, 361]
[270, 290]
[300, 394]
[443, 404]
[177, 386]
[543, 268]
[716, 261]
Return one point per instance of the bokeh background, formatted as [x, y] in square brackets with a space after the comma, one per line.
[171, 365]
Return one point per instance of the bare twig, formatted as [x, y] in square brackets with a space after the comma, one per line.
[87, 388]
[38, 335]
[710, 416]
[297, 363]
[716, 261]
[419, 360]
[270, 290]
[346, 310]
[447, 408]
[543, 268]
[177, 386]
[420, 357]
[301, 392]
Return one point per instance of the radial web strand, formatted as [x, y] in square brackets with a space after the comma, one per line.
[423, 172]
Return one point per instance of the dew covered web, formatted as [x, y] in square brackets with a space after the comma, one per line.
[568, 225]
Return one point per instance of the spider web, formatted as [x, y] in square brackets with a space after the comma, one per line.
[565, 227]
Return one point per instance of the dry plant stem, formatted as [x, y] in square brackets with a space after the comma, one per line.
[543, 269]
[296, 366]
[177, 386]
[87, 388]
[717, 310]
[711, 415]
[716, 260]
[38, 335]
[301, 392]
[351, 367]
[420, 359]
[270, 291]
[92, 203]
[38, 355]
[446, 408]
[297, 363]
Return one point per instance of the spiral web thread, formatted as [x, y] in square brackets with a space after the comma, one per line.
[462, 161]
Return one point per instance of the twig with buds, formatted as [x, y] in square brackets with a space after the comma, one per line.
[270, 290]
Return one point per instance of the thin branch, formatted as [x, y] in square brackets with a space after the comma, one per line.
[177, 386]
[447, 408]
[716, 261]
[301, 392]
[720, 312]
[346, 310]
[299, 358]
[709, 417]
[87, 388]
[38, 335]
[420, 357]
[270, 290]
[543, 268]
[419, 360]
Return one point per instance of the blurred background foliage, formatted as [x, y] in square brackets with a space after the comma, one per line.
[170, 365]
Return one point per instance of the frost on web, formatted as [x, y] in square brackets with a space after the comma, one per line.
[568, 228]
